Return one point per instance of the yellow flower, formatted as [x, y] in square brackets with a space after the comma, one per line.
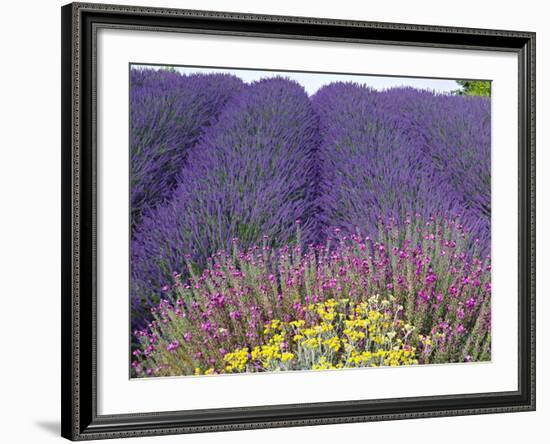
[323, 327]
[256, 353]
[277, 339]
[374, 315]
[298, 324]
[330, 338]
[312, 342]
[323, 364]
[238, 359]
[333, 343]
[353, 335]
[379, 339]
[287, 356]
[326, 315]
[275, 324]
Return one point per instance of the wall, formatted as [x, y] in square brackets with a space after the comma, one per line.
[29, 226]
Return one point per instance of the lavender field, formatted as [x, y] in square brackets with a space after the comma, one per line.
[274, 230]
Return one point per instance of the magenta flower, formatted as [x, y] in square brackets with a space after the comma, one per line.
[424, 296]
[173, 345]
[235, 314]
[218, 300]
[207, 327]
[431, 278]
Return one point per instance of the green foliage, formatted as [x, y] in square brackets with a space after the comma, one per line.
[473, 88]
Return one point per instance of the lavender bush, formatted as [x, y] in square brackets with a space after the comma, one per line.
[453, 133]
[251, 175]
[402, 152]
[168, 112]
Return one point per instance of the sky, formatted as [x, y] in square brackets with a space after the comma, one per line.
[313, 81]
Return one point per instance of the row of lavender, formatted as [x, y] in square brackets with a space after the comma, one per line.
[214, 159]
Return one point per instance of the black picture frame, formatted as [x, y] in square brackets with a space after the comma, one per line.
[80, 420]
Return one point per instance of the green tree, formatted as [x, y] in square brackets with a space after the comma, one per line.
[473, 88]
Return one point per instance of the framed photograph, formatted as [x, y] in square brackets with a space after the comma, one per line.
[279, 221]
